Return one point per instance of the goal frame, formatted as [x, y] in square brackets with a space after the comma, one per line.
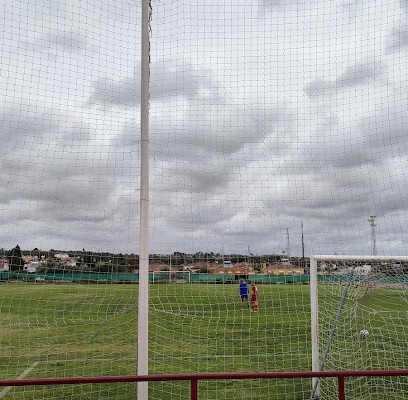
[314, 302]
[178, 276]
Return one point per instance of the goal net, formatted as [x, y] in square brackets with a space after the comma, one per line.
[205, 326]
[171, 276]
[360, 308]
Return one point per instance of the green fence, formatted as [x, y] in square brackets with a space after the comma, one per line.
[104, 277]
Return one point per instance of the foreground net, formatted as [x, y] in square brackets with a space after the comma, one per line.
[205, 327]
[67, 323]
[264, 116]
[67, 329]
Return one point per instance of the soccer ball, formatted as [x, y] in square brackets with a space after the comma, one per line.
[364, 333]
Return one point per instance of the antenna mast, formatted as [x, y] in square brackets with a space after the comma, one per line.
[288, 244]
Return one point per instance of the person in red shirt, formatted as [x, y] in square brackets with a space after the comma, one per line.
[254, 297]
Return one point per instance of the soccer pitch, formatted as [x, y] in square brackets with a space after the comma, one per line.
[65, 330]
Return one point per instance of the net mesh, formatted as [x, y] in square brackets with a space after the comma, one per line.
[362, 312]
[205, 327]
[265, 116]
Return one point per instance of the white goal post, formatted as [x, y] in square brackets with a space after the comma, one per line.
[354, 294]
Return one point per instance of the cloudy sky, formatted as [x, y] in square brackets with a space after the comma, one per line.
[264, 114]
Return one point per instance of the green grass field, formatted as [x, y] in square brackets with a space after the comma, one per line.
[63, 330]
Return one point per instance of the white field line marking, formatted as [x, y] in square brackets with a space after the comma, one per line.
[23, 375]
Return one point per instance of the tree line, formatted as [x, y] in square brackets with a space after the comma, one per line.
[87, 261]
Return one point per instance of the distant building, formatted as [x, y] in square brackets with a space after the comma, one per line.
[4, 264]
[361, 270]
[31, 267]
[66, 259]
[284, 267]
[228, 267]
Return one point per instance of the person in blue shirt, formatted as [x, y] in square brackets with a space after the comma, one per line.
[243, 292]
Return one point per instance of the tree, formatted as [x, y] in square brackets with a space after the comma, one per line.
[16, 261]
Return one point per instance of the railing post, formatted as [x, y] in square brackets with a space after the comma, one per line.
[194, 389]
[342, 392]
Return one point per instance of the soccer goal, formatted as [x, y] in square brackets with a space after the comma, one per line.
[171, 277]
[359, 308]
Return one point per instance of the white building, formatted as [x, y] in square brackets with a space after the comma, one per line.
[4, 264]
[362, 269]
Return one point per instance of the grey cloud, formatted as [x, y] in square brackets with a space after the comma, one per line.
[352, 76]
[199, 178]
[185, 148]
[281, 5]
[58, 43]
[316, 196]
[29, 132]
[222, 130]
[71, 41]
[372, 140]
[383, 131]
[398, 40]
[319, 87]
[334, 193]
[19, 123]
[51, 164]
[116, 93]
[343, 170]
[349, 7]
[169, 80]
[360, 73]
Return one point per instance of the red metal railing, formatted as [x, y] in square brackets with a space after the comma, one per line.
[194, 378]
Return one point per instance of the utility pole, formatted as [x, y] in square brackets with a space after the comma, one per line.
[252, 265]
[373, 241]
[288, 244]
[303, 249]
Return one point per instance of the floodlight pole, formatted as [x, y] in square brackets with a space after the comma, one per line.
[143, 300]
[373, 241]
